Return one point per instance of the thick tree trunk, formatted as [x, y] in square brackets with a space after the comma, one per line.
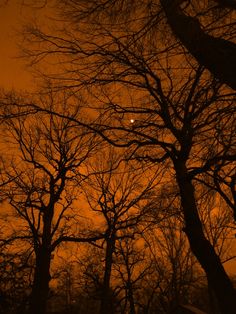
[131, 297]
[216, 54]
[218, 280]
[40, 289]
[106, 298]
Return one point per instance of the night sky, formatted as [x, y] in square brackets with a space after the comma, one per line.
[14, 73]
[17, 75]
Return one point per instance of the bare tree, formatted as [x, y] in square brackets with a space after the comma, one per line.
[46, 154]
[118, 193]
[205, 28]
[178, 126]
[132, 267]
[171, 110]
[210, 50]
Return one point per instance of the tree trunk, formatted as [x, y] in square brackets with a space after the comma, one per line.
[130, 297]
[216, 54]
[40, 289]
[106, 298]
[218, 280]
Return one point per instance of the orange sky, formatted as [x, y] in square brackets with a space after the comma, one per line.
[13, 72]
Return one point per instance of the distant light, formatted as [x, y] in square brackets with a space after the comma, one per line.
[131, 120]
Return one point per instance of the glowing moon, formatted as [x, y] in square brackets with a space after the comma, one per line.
[131, 120]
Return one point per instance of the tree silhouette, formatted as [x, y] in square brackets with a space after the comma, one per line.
[118, 194]
[177, 121]
[44, 172]
[153, 99]
[214, 53]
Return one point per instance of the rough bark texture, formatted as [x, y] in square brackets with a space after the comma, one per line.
[218, 280]
[216, 54]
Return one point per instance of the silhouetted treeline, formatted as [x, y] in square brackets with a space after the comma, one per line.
[118, 175]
